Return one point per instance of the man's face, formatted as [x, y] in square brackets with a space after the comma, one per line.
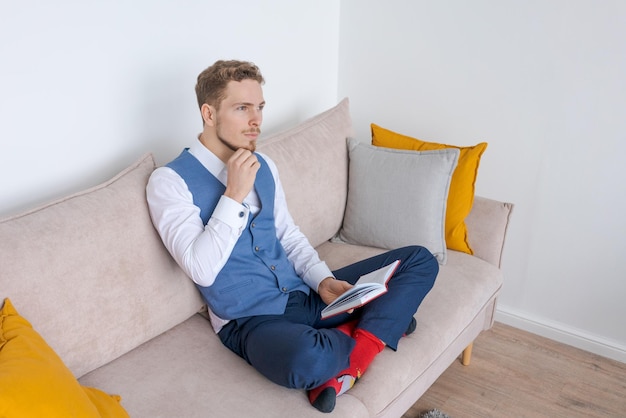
[238, 120]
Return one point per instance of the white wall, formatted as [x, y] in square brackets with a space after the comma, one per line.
[86, 87]
[543, 82]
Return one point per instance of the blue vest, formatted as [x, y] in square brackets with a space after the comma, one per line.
[258, 277]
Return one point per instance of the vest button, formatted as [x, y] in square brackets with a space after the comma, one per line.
[284, 289]
[256, 248]
[252, 225]
[273, 267]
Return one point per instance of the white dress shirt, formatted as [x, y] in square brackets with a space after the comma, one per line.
[201, 251]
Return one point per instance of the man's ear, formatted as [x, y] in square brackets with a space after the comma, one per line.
[208, 114]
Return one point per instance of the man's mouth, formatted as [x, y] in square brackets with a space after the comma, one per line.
[252, 133]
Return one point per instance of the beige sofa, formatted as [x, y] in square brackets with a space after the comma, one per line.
[92, 276]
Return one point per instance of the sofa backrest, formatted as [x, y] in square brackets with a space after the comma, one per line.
[91, 274]
[312, 160]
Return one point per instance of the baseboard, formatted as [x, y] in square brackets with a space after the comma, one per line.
[561, 333]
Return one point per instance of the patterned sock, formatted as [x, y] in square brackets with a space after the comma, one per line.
[366, 348]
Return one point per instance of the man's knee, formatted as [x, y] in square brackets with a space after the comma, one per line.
[305, 360]
[322, 354]
[421, 258]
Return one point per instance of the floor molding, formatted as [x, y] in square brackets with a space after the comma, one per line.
[561, 333]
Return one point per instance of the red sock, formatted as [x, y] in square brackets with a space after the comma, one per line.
[366, 348]
[348, 327]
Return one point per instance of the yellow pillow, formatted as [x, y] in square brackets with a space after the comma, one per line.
[34, 382]
[461, 194]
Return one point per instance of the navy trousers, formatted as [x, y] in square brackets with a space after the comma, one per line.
[300, 350]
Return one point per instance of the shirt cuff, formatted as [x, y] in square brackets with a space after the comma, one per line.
[317, 274]
[232, 213]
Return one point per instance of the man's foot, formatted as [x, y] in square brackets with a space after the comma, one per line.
[325, 399]
[411, 327]
[367, 346]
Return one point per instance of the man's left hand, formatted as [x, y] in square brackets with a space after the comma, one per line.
[331, 288]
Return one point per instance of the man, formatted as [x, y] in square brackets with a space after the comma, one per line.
[221, 212]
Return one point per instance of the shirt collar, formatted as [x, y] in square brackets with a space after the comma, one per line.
[209, 160]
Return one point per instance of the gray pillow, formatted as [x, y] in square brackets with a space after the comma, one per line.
[398, 197]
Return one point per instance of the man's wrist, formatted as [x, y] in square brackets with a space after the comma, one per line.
[316, 274]
[325, 282]
[231, 213]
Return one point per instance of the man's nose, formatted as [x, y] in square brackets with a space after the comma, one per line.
[256, 118]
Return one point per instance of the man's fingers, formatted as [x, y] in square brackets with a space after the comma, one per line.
[244, 158]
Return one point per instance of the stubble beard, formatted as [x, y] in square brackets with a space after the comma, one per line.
[251, 146]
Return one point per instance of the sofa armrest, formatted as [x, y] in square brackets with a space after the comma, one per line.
[487, 224]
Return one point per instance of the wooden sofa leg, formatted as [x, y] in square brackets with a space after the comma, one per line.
[467, 355]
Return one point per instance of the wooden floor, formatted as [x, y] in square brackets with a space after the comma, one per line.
[515, 374]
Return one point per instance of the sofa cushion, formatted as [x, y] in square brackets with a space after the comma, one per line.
[187, 372]
[91, 274]
[387, 184]
[34, 382]
[312, 160]
[461, 195]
